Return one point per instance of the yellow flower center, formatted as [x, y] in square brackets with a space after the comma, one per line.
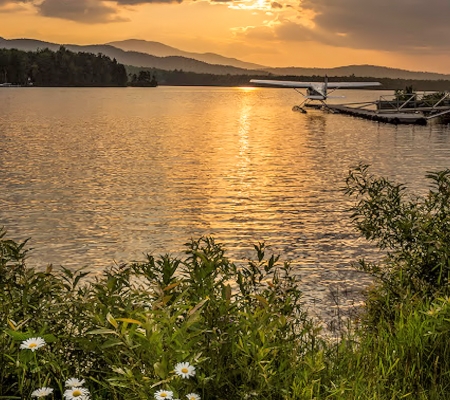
[76, 393]
[184, 370]
[32, 345]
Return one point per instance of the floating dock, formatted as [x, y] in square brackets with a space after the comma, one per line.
[406, 109]
[375, 115]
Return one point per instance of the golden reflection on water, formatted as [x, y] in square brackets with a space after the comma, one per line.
[95, 176]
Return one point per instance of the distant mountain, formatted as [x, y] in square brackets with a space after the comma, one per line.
[130, 57]
[371, 71]
[169, 59]
[161, 50]
[27, 44]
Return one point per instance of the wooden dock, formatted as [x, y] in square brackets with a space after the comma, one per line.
[414, 109]
[410, 108]
[415, 117]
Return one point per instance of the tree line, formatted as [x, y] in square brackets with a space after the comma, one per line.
[143, 79]
[61, 68]
[178, 77]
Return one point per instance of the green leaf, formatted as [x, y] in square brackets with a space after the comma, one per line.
[19, 335]
[102, 331]
[129, 320]
[111, 343]
[160, 369]
[197, 307]
[111, 320]
[49, 338]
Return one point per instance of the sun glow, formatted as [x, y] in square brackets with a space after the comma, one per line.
[262, 5]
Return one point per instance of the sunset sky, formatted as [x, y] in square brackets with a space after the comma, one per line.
[408, 34]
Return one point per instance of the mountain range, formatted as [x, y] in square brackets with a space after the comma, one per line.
[148, 54]
[162, 50]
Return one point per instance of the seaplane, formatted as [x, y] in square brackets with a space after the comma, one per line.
[315, 91]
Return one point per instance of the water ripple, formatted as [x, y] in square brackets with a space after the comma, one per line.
[96, 176]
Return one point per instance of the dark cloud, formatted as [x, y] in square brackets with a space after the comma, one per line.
[406, 25]
[4, 2]
[86, 11]
[291, 31]
[135, 2]
[275, 4]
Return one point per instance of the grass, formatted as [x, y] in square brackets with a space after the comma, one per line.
[242, 327]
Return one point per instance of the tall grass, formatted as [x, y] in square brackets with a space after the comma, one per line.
[241, 329]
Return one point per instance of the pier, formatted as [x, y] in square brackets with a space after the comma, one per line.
[411, 108]
[416, 118]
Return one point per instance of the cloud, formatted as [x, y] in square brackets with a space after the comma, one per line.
[5, 2]
[12, 4]
[86, 11]
[137, 2]
[405, 25]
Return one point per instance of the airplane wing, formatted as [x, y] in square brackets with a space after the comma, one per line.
[313, 85]
[288, 84]
[338, 85]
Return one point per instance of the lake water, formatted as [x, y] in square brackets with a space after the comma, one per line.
[98, 176]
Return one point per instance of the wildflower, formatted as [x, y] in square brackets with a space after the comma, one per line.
[185, 370]
[193, 396]
[76, 393]
[74, 382]
[163, 395]
[33, 343]
[42, 392]
[434, 311]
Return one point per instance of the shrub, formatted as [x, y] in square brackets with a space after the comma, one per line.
[412, 231]
[402, 347]
[241, 327]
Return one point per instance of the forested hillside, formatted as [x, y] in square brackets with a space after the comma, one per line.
[61, 68]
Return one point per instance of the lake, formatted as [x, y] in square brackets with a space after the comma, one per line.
[103, 176]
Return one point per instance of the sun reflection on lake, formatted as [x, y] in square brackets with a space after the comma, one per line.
[116, 173]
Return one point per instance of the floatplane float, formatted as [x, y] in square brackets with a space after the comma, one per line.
[315, 91]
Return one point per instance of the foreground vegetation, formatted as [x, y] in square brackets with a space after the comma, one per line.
[205, 328]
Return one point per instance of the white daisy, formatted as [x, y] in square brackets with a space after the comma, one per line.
[33, 343]
[74, 382]
[76, 393]
[185, 370]
[42, 392]
[163, 395]
[193, 396]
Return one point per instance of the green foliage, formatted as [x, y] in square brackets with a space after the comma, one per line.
[433, 99]
[413, 231]
[402, 346]
[61, 68]
[405, 94]
[242, 327]
[143, 79]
